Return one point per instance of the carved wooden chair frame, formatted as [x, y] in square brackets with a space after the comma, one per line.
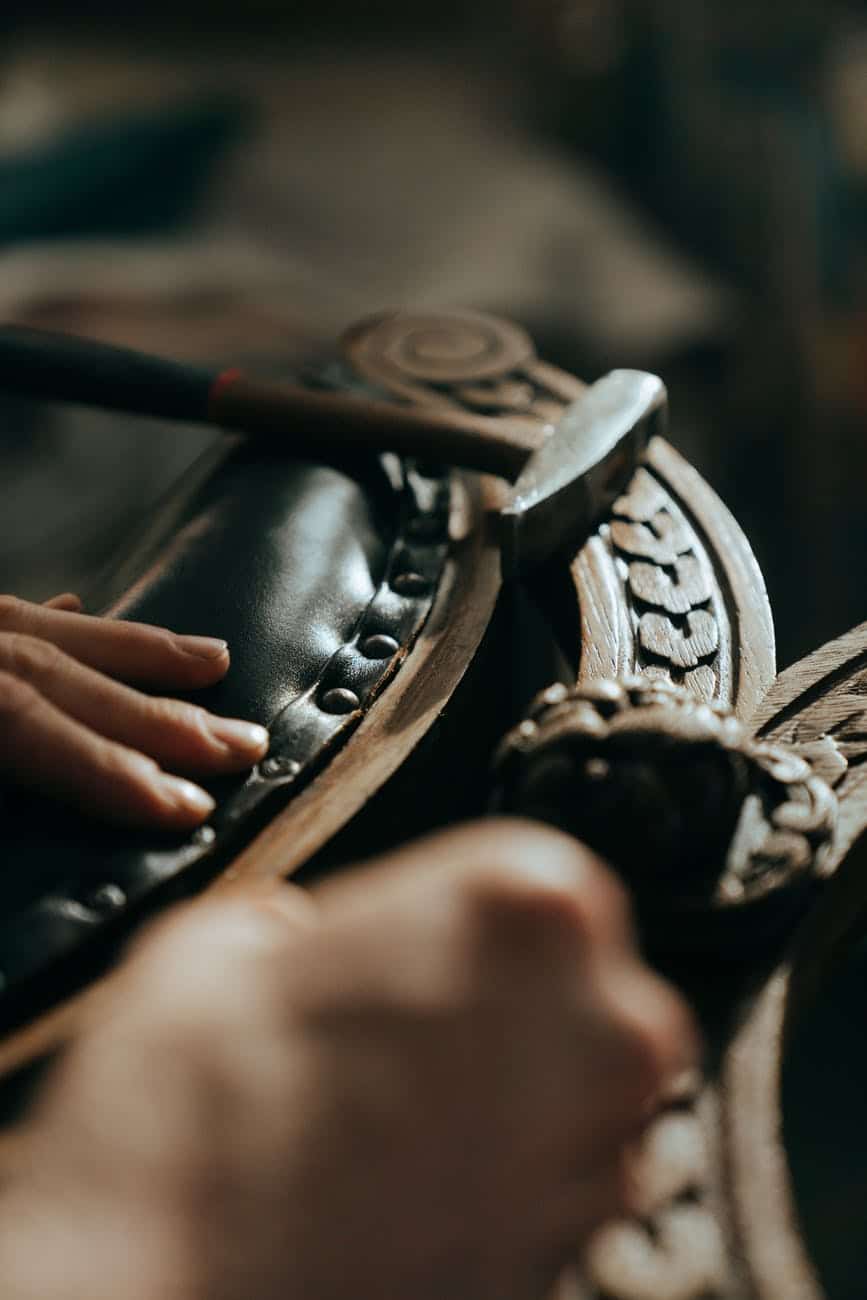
[674, 647]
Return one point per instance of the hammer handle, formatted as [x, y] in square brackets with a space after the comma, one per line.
[48, 366]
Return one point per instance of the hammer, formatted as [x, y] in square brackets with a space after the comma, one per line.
[565, 472]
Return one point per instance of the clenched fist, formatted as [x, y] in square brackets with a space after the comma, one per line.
[68, 727]
[418, 1082]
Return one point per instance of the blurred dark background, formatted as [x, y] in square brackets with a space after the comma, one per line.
[675, 184]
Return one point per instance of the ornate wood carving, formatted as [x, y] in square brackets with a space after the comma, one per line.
[710, 786]
[703, 821]
[465, 359]
[672, 604]
[669, 587]
[717, 1217]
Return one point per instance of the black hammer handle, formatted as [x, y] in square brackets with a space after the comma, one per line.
[60, 367]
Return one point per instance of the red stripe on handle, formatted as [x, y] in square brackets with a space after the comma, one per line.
[224, 381]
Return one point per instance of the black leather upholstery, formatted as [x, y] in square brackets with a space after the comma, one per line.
[298, 566]
[278, 557]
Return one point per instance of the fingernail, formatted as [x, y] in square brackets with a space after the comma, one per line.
[203, 647]
[240, 737]
[67, 600]
[183, 794]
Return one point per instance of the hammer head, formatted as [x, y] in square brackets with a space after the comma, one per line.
[571, 482]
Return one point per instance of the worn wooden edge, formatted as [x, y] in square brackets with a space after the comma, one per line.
[753, 646]
[402, 716]
[768, 1241]
[808, 675]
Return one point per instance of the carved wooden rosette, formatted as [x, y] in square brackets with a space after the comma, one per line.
[463, 360]
[676, 668]
[704, 822]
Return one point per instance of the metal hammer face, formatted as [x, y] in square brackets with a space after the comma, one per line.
[572, 480]
[569, 449]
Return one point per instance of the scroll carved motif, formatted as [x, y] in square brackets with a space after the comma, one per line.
[653, 593]
[465, 359]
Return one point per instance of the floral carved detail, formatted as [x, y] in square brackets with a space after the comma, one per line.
[700, 818]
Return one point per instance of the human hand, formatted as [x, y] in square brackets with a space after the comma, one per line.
[70, 727]
[419, 1081]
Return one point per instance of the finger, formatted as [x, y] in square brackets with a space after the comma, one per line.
[173, 732]
[42, 748]
[68, 600]
[135, 652]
